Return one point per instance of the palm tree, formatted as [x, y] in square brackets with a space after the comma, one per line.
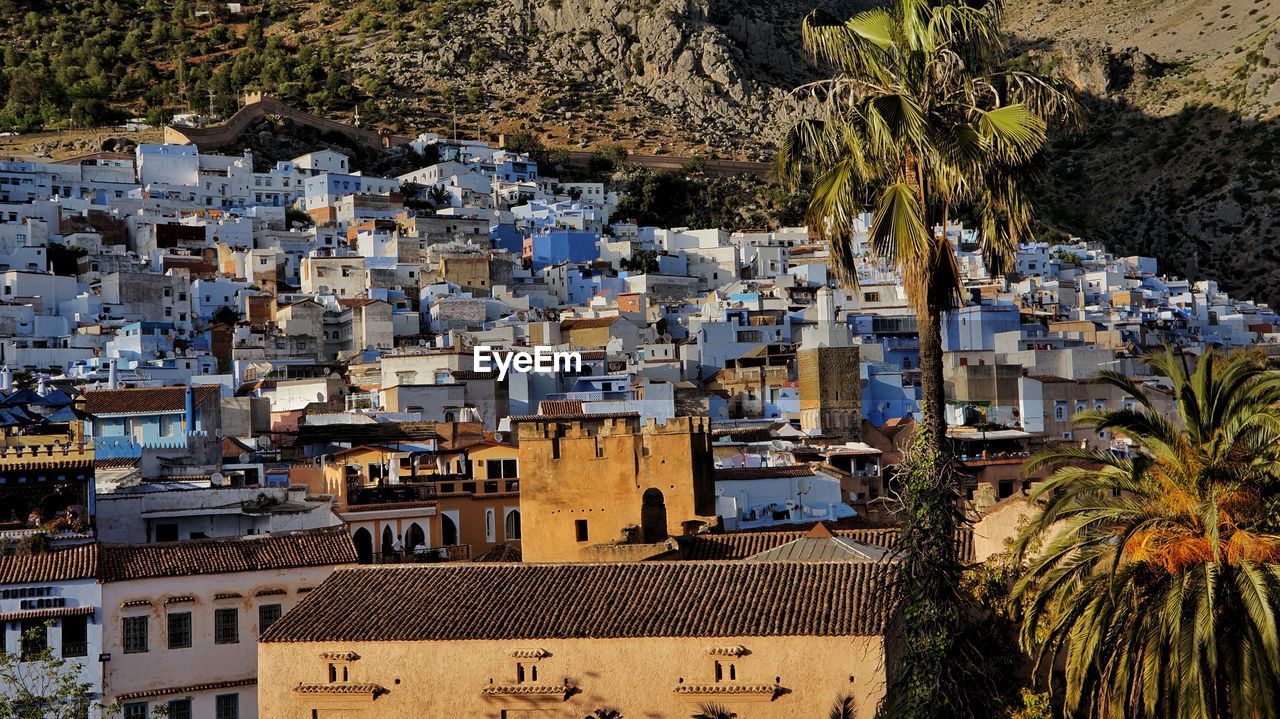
[438, 196]
[1158, 583]
[713, 711]
[919, 124]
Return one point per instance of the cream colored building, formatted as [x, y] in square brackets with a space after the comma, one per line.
[768, 640]
[182, 619]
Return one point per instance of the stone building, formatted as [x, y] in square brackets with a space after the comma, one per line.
[830, 397]
[602, 487]
[766, 639]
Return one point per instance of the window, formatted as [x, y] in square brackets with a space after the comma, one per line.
[179, 630]
[580, 529]
[135, 710]
[180, 709]
[227, 706]
[75, 636]
[35, 638]
[267, 615]
[135, 635]
[167, 532]
[511, 525]
[488, 526]
[226, 629]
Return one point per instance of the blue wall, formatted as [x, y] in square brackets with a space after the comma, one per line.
[558, 246]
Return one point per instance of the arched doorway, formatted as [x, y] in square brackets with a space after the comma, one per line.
[388, 540]
[511, 526]
[653, 516]
[448, 531]
[414, 537]
[364, 545]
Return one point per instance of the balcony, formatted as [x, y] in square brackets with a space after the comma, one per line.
[390, 494]
[75, 649]
[432, 555]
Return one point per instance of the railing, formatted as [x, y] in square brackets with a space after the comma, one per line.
[75, 649]
[433, 555]
[390, 494]
[596, 396]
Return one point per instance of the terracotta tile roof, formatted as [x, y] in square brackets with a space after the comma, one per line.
[189, 689]
[501, 553]
[1050, 379]
[47, 614]
[586, 323]
[466, 601]
[575, 417]
[468, 374]
[357, 302]
[218, 556]
[740, 545]
[371, 689]
[551, 407]
[117, 462]
[79, 562]
[145, 399]
[742, 473]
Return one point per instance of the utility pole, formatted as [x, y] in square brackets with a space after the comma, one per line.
[211, 103]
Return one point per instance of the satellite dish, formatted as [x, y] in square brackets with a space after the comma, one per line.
[217, 432]
[244, 458]
[264, 441]
[217, 479]
[804, 484]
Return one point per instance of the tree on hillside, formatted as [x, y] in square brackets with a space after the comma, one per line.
[920, 123]
[1159, 580]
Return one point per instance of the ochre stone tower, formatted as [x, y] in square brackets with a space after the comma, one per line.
[830, 397]
[608, 488]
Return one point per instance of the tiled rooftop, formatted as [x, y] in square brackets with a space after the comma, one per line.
[219, 556]
[145, 399]
[544, 601]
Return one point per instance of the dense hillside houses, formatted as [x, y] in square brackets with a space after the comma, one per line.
[222, 383]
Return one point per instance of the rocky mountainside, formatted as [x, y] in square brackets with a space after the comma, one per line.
[706, 77]
[1181, 159]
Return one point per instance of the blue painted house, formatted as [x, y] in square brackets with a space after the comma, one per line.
[152, 416]
[556, 246]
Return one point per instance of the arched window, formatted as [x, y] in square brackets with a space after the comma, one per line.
[653, 516]
[511, 525]
[364, 545]
[388, 543]
[448, 531]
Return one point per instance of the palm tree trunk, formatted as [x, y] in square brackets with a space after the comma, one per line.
[932, 391]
